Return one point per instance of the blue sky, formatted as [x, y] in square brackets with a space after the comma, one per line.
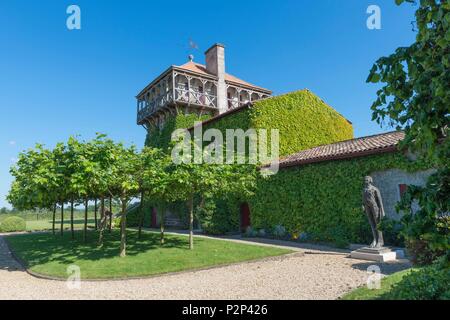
[55, 82]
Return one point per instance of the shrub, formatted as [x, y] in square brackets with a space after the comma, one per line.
[427, 231]
[303, 237]
[392, 232]
[428, 283]
[12, 224]
[279, 231]
[250, 232]
[115, 222]
[262, 233]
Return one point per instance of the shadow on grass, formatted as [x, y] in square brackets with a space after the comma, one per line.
[7, 262]
[66, 221]
[385, 268]
[37, 249]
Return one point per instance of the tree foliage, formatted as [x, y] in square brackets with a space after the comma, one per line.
[415, 97]
[208, 180]
[79, 171]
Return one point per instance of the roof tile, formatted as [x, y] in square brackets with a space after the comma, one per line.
[379, 143]
[199, 68]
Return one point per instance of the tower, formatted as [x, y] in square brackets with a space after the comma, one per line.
[195, 88]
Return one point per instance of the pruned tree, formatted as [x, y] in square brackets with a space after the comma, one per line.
[125, 186]
[154, 181]
[207, 179]
[35, 182]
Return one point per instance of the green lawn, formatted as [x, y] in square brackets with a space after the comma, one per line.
[364, 293]
[51, 255]
[38, 222]
[45, 224]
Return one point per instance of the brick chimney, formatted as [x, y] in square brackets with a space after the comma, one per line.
[215, 64]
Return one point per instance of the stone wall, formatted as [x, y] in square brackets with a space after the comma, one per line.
[389, 181]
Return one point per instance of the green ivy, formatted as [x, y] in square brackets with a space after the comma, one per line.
[218, 216]
[303, 120]
[160, 138]
[322, 199]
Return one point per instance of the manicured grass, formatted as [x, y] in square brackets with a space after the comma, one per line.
[39, 222]
[365, 293]
[39, 225]
[51, 255]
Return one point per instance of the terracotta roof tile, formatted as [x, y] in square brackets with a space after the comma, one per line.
[385, 142]
[201, 69]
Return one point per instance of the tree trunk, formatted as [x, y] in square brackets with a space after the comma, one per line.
[161, 224]
[62, 219]
[123, 228]
[71, 219]
[141, 215]
[191, 222]
[110, 217]
[54, 218]
[95, 213]
[201, 206]
[102, 221]
[85, 219]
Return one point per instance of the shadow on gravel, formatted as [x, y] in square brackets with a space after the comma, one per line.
[386, 268]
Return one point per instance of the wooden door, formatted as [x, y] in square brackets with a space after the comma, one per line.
[245, 216]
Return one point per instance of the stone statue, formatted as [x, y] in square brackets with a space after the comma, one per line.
[373, 207]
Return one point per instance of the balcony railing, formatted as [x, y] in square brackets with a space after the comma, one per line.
[195, 97]
[190, 97]
[234, 103]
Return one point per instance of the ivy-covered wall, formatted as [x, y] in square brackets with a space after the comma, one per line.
[303, 120]
[160, 138]
[324, 200]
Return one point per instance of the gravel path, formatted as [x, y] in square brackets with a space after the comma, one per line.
[310, 273]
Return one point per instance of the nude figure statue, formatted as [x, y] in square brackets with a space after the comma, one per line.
[373, 207]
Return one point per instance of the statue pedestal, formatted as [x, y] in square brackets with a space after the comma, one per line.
[374, 254]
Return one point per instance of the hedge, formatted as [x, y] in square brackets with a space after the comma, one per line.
[12, 224]
[427, 283]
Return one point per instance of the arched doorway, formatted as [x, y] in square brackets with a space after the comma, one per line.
[245, 216]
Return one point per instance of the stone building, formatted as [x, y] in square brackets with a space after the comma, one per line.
[391, 182]
[318, 188]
